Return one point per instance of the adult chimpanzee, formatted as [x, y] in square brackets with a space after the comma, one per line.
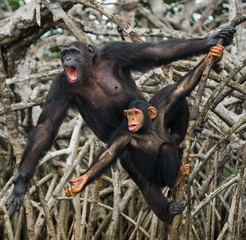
[146, 149]
[99, 85]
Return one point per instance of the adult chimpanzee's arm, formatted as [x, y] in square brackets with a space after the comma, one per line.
[38, 143]
[144, 56]
[99, 166]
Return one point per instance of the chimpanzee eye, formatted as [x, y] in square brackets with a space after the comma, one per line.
[63, 53]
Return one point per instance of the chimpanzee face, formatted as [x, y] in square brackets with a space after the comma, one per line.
[135, 119]
[77, 61]
[139, 115]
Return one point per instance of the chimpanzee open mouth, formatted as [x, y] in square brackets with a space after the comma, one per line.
[132, 127]
[72, 73]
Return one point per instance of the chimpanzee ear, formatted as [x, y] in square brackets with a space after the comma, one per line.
[152, 112]
[91, 50]
[125, 112]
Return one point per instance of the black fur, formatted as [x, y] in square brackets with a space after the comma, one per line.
[103, 89]
[150, 156]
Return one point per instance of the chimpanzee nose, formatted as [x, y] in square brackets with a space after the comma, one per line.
[68, 58]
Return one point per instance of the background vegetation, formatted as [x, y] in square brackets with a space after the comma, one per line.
[31, 38]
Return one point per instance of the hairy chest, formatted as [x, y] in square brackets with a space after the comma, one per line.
[149, 143]
[103, 89]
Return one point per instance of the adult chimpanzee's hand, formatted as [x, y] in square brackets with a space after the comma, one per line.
[20, 186]
[227, 35]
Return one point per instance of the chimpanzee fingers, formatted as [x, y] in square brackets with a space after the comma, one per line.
[14, 205]
[186, 169]
[180, 208]
[227, 35]
[217, 55]
[217, 51]
[10, 206]
[73, 180]
[182, 205]
[227, 32]
[79, 183]
[69, 191]
[11, 211]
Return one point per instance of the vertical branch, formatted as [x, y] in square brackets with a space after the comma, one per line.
[62, 223]
[138, 223]
[153, 228]
[29, 216]
[19, 224]
[9, 116]
[7, 224]
[47, 214]
[86, 195]
[84, 211]
[214, 185]
[113, 228]
[93, 211]
[77, 217]
[190, 135]
[236, 221]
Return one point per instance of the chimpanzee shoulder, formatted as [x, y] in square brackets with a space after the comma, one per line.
[59, 88]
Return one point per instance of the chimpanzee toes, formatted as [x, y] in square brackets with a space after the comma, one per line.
[182, 206]
[197, 129]
[177, 208]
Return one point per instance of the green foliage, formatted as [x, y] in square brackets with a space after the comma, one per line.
[138, 22]
[3, 6]
[145, 3]
[52, 51]
[236, 170]
[169, 2]
[14, 4]
[221, 9]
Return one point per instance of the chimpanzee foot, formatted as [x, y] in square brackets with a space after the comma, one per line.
[176, 208]
[78, 184]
